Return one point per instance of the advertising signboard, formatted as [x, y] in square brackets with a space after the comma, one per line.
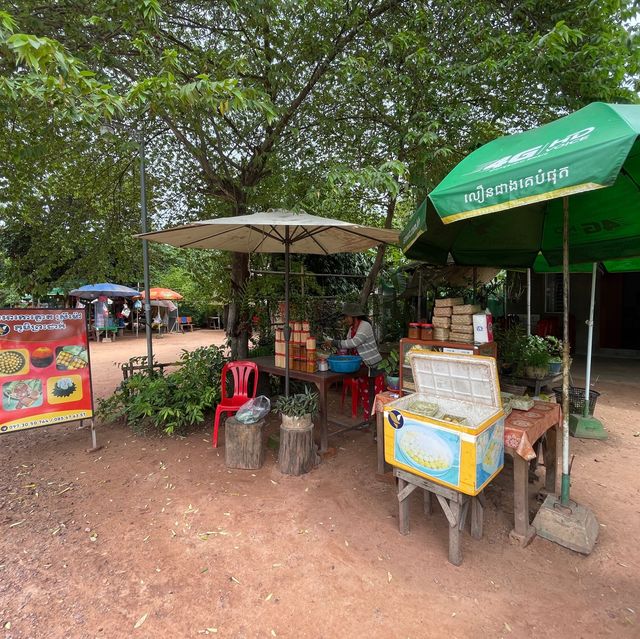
[45, 376]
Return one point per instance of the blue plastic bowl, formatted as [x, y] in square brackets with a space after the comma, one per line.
[344, 363]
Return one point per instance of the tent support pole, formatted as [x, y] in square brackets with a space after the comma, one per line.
[564, 493]
[286, 311]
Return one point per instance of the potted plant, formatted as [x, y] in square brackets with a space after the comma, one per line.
[297, 454]
[510, 342]
[535, 357]
[296, 410]
[554, 348]
[391, 367]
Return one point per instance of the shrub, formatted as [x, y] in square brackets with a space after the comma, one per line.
[170, 403]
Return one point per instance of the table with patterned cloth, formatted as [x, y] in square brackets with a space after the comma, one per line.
[522, 429]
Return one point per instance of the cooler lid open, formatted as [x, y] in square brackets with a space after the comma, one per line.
[469, 378]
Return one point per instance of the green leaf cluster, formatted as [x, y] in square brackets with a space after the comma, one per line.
[298, 405]
[172, 403]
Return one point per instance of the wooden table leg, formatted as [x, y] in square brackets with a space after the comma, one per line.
[324, 427]
[553, 460]
[477, 513]
[380, 440]
[403, 508]
[455, 551]
[522, 533]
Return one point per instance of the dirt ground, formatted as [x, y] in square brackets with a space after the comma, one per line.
[153, 537]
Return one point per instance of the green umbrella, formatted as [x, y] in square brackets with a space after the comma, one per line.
[522, 178]
[506, 199]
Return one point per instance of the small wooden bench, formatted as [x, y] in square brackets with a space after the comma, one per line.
[186, 322]
[454, 504]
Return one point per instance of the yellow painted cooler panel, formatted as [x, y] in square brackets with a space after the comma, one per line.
[447, 456]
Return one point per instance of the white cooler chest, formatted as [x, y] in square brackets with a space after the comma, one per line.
[451, 431]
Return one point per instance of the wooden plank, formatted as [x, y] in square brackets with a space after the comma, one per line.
[455, 550]
[448, 493]
[428, 509]
[406, 491]
[403, 509]
[448, 510]
[477, 516]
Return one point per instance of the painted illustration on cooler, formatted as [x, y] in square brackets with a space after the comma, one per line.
[490, 452]
[433, 451]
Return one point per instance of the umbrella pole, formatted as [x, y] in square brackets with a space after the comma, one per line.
[566, 522]
[528, 301]
[286, 311]
[564, 492]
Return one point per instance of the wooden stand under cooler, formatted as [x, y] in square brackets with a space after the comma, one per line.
[454, 504]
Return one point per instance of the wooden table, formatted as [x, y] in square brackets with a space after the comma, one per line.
[522, 429]
[322, 382]
[537, 383]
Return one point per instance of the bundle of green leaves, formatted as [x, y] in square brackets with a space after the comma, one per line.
[169, 403]
[297, 405]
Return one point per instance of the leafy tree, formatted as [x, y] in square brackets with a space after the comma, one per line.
[353, 109]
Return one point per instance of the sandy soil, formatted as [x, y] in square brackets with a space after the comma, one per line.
[154, 537]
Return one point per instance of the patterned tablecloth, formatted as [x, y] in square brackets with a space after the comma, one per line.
[521, 428]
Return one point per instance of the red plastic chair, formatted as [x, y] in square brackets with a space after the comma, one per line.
[241, 371]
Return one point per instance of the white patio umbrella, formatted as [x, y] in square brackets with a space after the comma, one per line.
[276, 231]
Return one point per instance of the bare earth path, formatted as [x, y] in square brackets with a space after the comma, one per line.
[156, 533]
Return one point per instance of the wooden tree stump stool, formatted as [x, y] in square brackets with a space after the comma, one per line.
[454, 504]
[243, 444]
[297, 451]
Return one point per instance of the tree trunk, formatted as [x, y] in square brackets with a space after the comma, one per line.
[369, 283]
[238, 325]
[243, 444]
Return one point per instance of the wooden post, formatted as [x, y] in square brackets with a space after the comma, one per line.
[297, 451]
[243, 444]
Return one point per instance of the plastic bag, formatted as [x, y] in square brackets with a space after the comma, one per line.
[254, 410]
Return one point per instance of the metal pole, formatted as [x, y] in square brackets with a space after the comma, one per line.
[145, 258]
[528, 301]
[419, 294]
[564, 494]
[585, 411]
[504, 293]
[286, 311]
[475, 283]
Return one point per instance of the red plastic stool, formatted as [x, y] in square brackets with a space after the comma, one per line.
[351, 384]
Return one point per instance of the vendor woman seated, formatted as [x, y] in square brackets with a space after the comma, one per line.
[361, 338]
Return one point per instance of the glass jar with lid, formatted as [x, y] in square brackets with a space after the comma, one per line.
[426, 331]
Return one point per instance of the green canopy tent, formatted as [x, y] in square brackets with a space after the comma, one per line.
[510, 200]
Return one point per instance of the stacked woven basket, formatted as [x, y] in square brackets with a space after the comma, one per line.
[453, 320]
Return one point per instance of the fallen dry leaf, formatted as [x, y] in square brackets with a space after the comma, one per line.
[507, 626]
[268, 596]
[140, 621]
[389, 577]
[234, 579]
